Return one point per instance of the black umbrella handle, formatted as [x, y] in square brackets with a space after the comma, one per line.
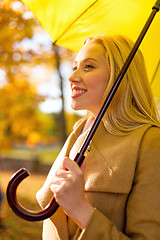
[22, 212]
[22, 173]
[18, 209]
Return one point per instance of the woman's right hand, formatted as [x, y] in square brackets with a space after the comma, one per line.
[68, 189]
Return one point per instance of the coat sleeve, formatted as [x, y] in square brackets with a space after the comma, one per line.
[44, 195]
[143, 205]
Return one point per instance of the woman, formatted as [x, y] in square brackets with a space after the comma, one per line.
[115, 195]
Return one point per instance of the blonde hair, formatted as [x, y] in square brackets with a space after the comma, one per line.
[133, 104]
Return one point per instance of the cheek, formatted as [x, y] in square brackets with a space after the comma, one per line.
[98, 95]
[95, 95]
[98, 85]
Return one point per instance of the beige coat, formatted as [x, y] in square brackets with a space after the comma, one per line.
[122, 182]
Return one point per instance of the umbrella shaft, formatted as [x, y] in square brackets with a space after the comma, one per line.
[157, 5]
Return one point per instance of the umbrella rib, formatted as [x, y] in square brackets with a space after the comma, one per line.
[153, 78]
[74, 22]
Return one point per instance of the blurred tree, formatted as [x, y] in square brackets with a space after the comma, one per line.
[20, 118]
[62, 113]
[71, 119]
[17, 112]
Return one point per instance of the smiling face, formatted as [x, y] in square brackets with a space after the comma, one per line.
[89, 78]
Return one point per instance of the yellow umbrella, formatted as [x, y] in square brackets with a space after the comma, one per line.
[69, 22]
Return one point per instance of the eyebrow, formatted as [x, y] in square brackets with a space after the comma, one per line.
[87, 60]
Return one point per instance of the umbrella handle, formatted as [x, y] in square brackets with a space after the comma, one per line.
[18, 209]
[22, 212]
[22, 173]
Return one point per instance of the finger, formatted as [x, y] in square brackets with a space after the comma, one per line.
[55, 189]
[60, 187]
[57, 181]
[83, 165]
[70, 165]
[62, 173]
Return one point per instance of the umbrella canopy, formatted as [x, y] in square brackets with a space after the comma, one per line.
[70, 22]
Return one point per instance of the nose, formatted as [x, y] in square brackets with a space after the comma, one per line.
[75, 77]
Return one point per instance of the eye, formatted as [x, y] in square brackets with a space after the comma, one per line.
[88, 66]
[74, 68]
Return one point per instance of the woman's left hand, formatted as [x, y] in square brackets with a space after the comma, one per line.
[68, 189]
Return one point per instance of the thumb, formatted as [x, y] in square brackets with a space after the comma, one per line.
[83, 165]
[68, 164]
[71, 165]
[64, 167]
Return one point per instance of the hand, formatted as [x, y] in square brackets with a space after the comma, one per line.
[68, 189]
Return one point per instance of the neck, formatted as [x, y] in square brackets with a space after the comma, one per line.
[88, 124]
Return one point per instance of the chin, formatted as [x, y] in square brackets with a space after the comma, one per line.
[76, 107]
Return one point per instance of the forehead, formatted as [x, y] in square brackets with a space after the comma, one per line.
[91, 50]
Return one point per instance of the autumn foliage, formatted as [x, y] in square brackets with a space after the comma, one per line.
[21, 120]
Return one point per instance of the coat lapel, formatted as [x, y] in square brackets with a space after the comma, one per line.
[111, 163]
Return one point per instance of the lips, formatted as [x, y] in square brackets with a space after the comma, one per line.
[77, 92]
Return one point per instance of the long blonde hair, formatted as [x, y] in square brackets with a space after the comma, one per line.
[133, 104]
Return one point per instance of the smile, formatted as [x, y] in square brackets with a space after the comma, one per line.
[77, 93]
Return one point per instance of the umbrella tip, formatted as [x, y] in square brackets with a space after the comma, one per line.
[54, 43]
[157, 5]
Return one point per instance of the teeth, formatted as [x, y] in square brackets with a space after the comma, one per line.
[78, 91]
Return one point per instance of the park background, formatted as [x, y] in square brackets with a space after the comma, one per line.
[35, 113]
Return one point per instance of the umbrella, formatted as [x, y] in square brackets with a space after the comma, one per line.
[63, 19]
[22, 173]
